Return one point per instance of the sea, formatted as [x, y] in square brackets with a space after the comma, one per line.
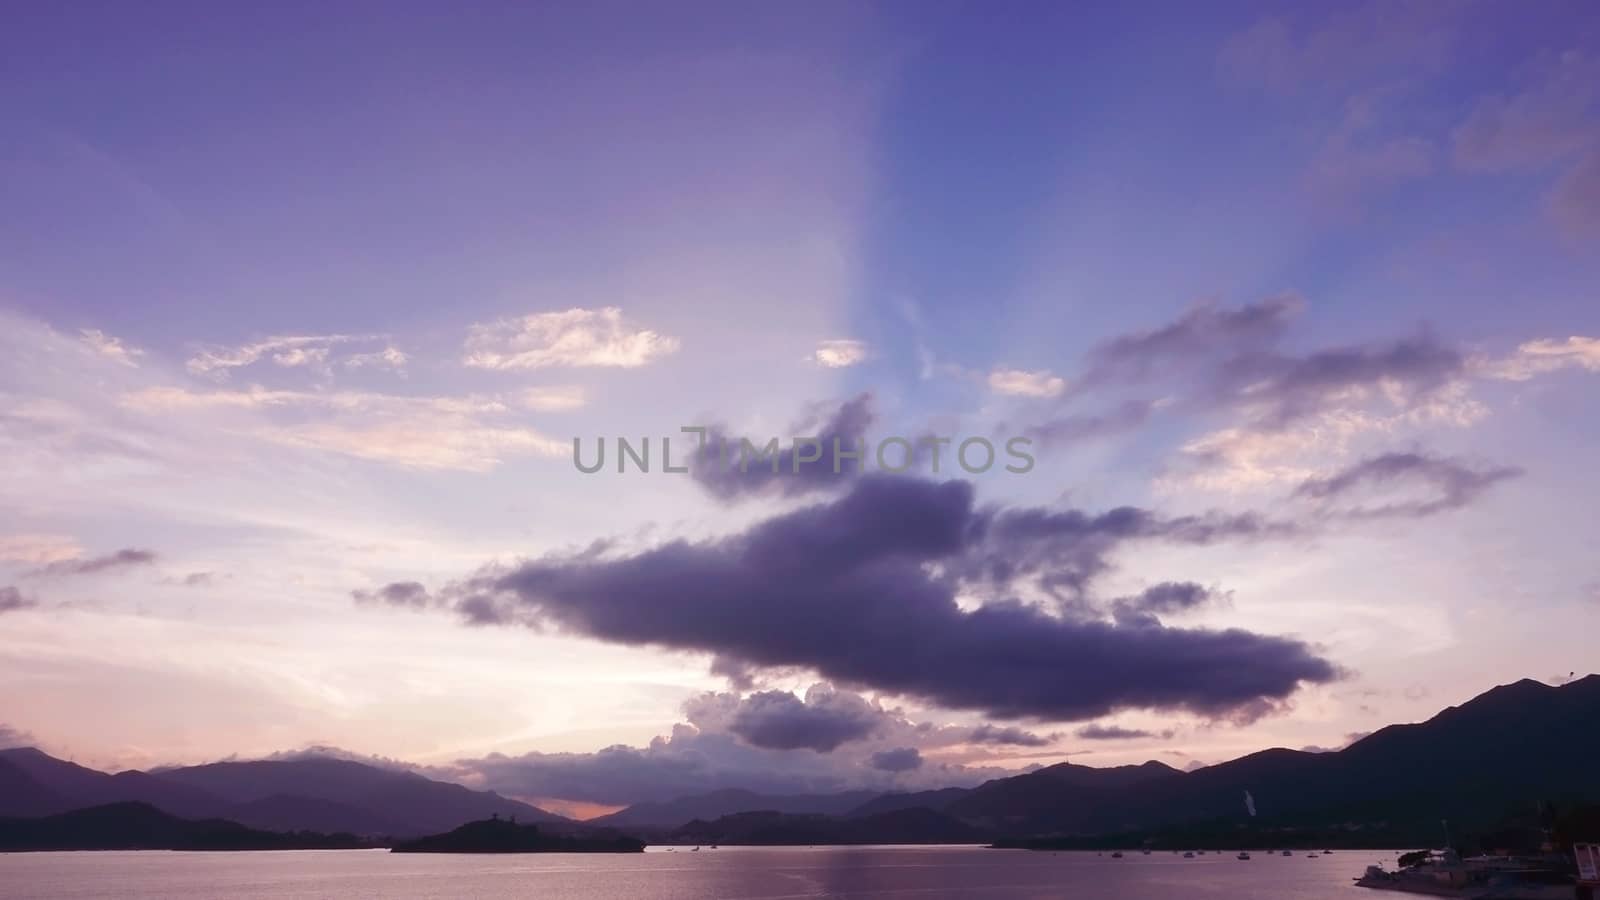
[729, 873]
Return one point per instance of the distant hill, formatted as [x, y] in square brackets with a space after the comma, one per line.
[140, 826]
[904, 826]
[410, 801]
[716, 804]
[309, 794]
[504, 836]
[1472, 765]
[935, 800]
[1037, 800]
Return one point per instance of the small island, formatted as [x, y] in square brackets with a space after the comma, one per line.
[497, 835]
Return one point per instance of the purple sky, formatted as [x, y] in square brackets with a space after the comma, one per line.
[301, 308]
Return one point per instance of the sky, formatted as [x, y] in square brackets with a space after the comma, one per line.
[303, 308]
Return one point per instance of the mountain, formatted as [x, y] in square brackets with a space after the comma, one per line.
[727, 802]
[288, 812]
[1473, 765]
[140, 826]
[22, 795]
[406, 801]
[503, 836]
[935, 800]
[74, 787]
[308, 794]
[1035, 800]
[904, 826]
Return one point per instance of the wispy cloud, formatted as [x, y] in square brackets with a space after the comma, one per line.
[573, 337]
[467, 433]
[95, 565]
[288, 351]
[111, 348]
[1544, 356]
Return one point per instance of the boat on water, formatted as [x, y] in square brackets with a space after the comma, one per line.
[1243, 854]
[1145, 851]
[1189, 855]
[1288, 853]
[1117, 855]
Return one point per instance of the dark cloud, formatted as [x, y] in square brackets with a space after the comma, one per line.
[1098, 732]
[730, 467]
[122, 559]
[1278, 390]
[198, 579]
[862, 589]
[1009, 735]
[1450, 484]
[1166, 598]
[900, 759]
[1216, 359]
[1206, 330]
[778, 720]
[12, 599]
[400, 593]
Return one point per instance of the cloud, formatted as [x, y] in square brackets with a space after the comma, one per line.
[1099, 732]
[1075, 427]
[12, 600]
[1544, 356]
[862, 590]
[704, 754]
[1009, 735]
[111, 348]
[391, 357]
[840, 354]
[199, 579]
[469, 433]
[732, 467]
[287, 351]
[826, 718]
[1018, 383]
[1164, 599]
[574, 337]
[1552, 116]
[1449, 484]
[1353, 43]
[122, 559]
[400, 593]
[552, 399]
[1277, 390]
[900, 759]
[1574, 202]
[1207, 330]
[14, 737]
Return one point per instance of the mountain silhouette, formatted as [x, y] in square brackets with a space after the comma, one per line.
[140, 826]
[307, 794]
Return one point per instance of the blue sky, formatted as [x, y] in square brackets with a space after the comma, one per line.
[309, 300]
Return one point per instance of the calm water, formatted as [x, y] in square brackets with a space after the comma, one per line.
[860, 873]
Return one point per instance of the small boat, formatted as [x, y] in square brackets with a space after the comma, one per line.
[1243, 854]
[1146, 851]
[695, 850]
[1309, 855]
[1287, 853]
[1189, 855]
[1117, 854]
